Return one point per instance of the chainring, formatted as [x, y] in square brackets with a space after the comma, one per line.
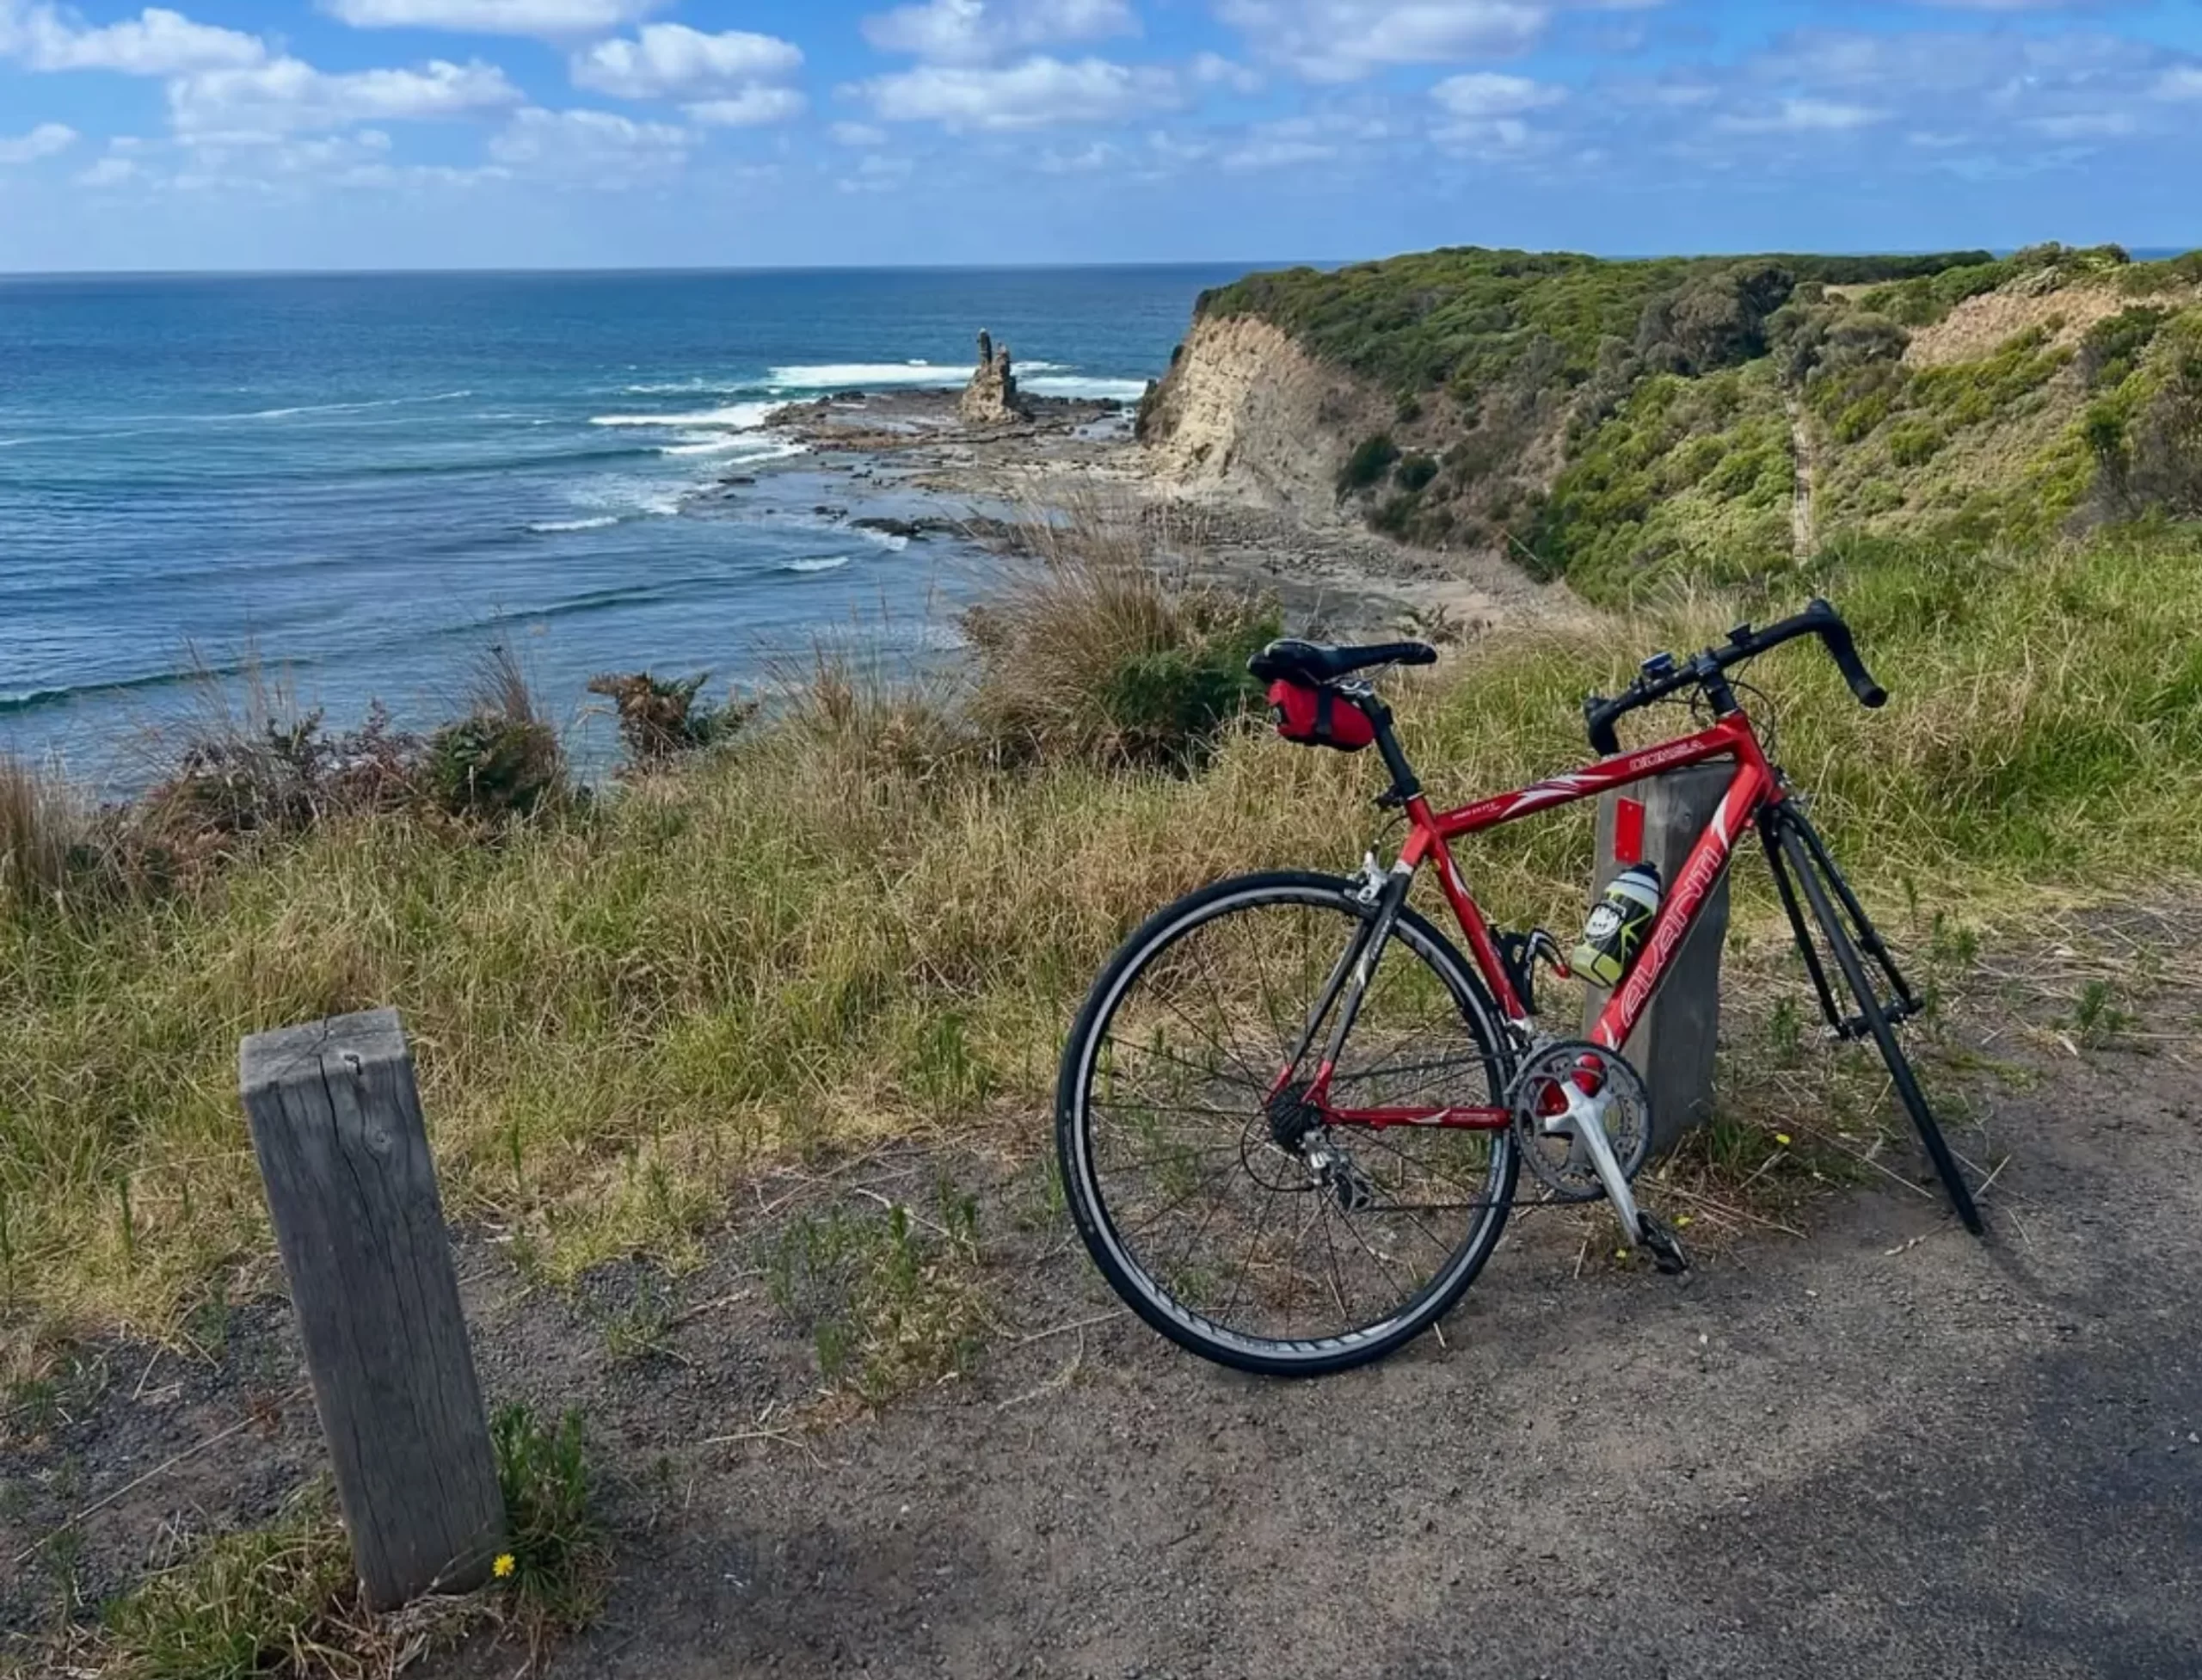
[1540, 1093]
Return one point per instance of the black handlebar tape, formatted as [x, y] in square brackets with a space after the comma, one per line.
[1600, 717]
[1844, 651]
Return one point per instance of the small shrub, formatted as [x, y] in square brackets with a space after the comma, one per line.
[503, 759]
[1415, 473]
[660, 720]
[1371, 460]
[2114, 344]
[1857, 421]
[555, 1544]
[1913, 443]
[489, 767]
[1408, 408]
[1092, 655]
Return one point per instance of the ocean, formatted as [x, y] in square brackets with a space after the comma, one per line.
[358, 483]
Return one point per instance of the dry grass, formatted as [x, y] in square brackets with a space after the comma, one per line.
[1092, 653]
[44, 822]
[859, 920]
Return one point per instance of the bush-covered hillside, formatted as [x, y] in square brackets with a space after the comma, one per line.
[1626, 424]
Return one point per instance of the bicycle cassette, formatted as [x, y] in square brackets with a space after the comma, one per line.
[1561, 1093]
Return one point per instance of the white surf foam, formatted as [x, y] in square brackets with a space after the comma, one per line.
[893, 541]
[343, 408]
[736, 416]
[845, 375]
[703, 443]
[1102, 390]
[596, 522]
[680, 388]
[617, 495]
[827, 563]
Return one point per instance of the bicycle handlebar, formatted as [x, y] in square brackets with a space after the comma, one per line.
[1600, 715]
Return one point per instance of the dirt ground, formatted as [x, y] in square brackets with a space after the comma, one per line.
[1886, 1450]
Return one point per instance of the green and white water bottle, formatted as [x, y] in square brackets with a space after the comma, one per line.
[1618, 924]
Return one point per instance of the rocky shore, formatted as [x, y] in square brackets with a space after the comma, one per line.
[912, 465]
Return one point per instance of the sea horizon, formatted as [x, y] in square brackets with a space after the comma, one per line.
[363, 486]
[1245, 264]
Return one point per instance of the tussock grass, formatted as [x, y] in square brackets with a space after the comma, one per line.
[857, 920]
[43, 823]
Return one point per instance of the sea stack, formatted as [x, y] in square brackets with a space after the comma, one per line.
[991, 399]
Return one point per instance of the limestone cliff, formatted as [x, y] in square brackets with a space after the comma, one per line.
[1246, 410]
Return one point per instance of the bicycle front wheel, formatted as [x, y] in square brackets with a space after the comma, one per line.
[1269, 1251]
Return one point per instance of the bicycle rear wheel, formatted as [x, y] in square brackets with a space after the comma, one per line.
[1235, 1238]
[1804, 867]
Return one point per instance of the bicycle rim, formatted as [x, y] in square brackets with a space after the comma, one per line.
[1218, 1235]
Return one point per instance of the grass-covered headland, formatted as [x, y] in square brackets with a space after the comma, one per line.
[866, 912]
[1633, 425]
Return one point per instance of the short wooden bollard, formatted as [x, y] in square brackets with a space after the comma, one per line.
[337, 1127]
[1673, 1046]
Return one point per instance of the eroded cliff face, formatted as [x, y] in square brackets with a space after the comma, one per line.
[1245, 411]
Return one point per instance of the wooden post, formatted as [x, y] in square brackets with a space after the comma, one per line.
[1673, 1045]
[336, 1123]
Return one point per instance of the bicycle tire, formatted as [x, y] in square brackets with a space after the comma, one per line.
[1114, 1257]
[1852, 965]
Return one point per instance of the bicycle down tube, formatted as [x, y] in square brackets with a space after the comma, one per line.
[1753, 789]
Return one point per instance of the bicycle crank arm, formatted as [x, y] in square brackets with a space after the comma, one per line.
[1581, 1122]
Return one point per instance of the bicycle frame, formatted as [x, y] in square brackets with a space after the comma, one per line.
[1754, 788]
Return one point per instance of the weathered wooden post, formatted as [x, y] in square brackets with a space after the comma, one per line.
[1673, 1045]
[336, 1123]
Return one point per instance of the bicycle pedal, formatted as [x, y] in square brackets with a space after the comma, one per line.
[1661, 1242]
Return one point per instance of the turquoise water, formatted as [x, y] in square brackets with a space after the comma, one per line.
[364, 481]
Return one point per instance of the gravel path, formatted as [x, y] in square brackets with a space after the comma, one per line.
[1887, 1451]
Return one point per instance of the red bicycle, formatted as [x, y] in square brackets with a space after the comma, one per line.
[1292, 1117]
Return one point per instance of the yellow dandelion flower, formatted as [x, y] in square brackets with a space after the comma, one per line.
[1782, 1138]
[503, 1567]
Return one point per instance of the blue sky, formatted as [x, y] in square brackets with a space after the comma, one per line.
[375, 134]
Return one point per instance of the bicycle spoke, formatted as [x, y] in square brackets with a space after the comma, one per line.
[1188, 1174]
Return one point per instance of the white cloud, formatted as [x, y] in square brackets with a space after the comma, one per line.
[1344, 40]
[2086, 124]
[43, 141]
[2181, 82]
[557, 20]
[1806, 116]
[1276, 152]
[858, 134]
[877, 172]
[287, 94]
[752, 107]
[977, 32]
[1032, 94]
[110, 172]
[590, 148]
[1483, 95]
[157, 42]
[1213, 70]
[667, 60]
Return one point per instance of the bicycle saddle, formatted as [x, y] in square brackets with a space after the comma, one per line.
[1315, 663]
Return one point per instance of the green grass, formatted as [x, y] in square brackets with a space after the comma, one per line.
[819, 937]
[1472, 319]
[1624, 423]
[282, 1599]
